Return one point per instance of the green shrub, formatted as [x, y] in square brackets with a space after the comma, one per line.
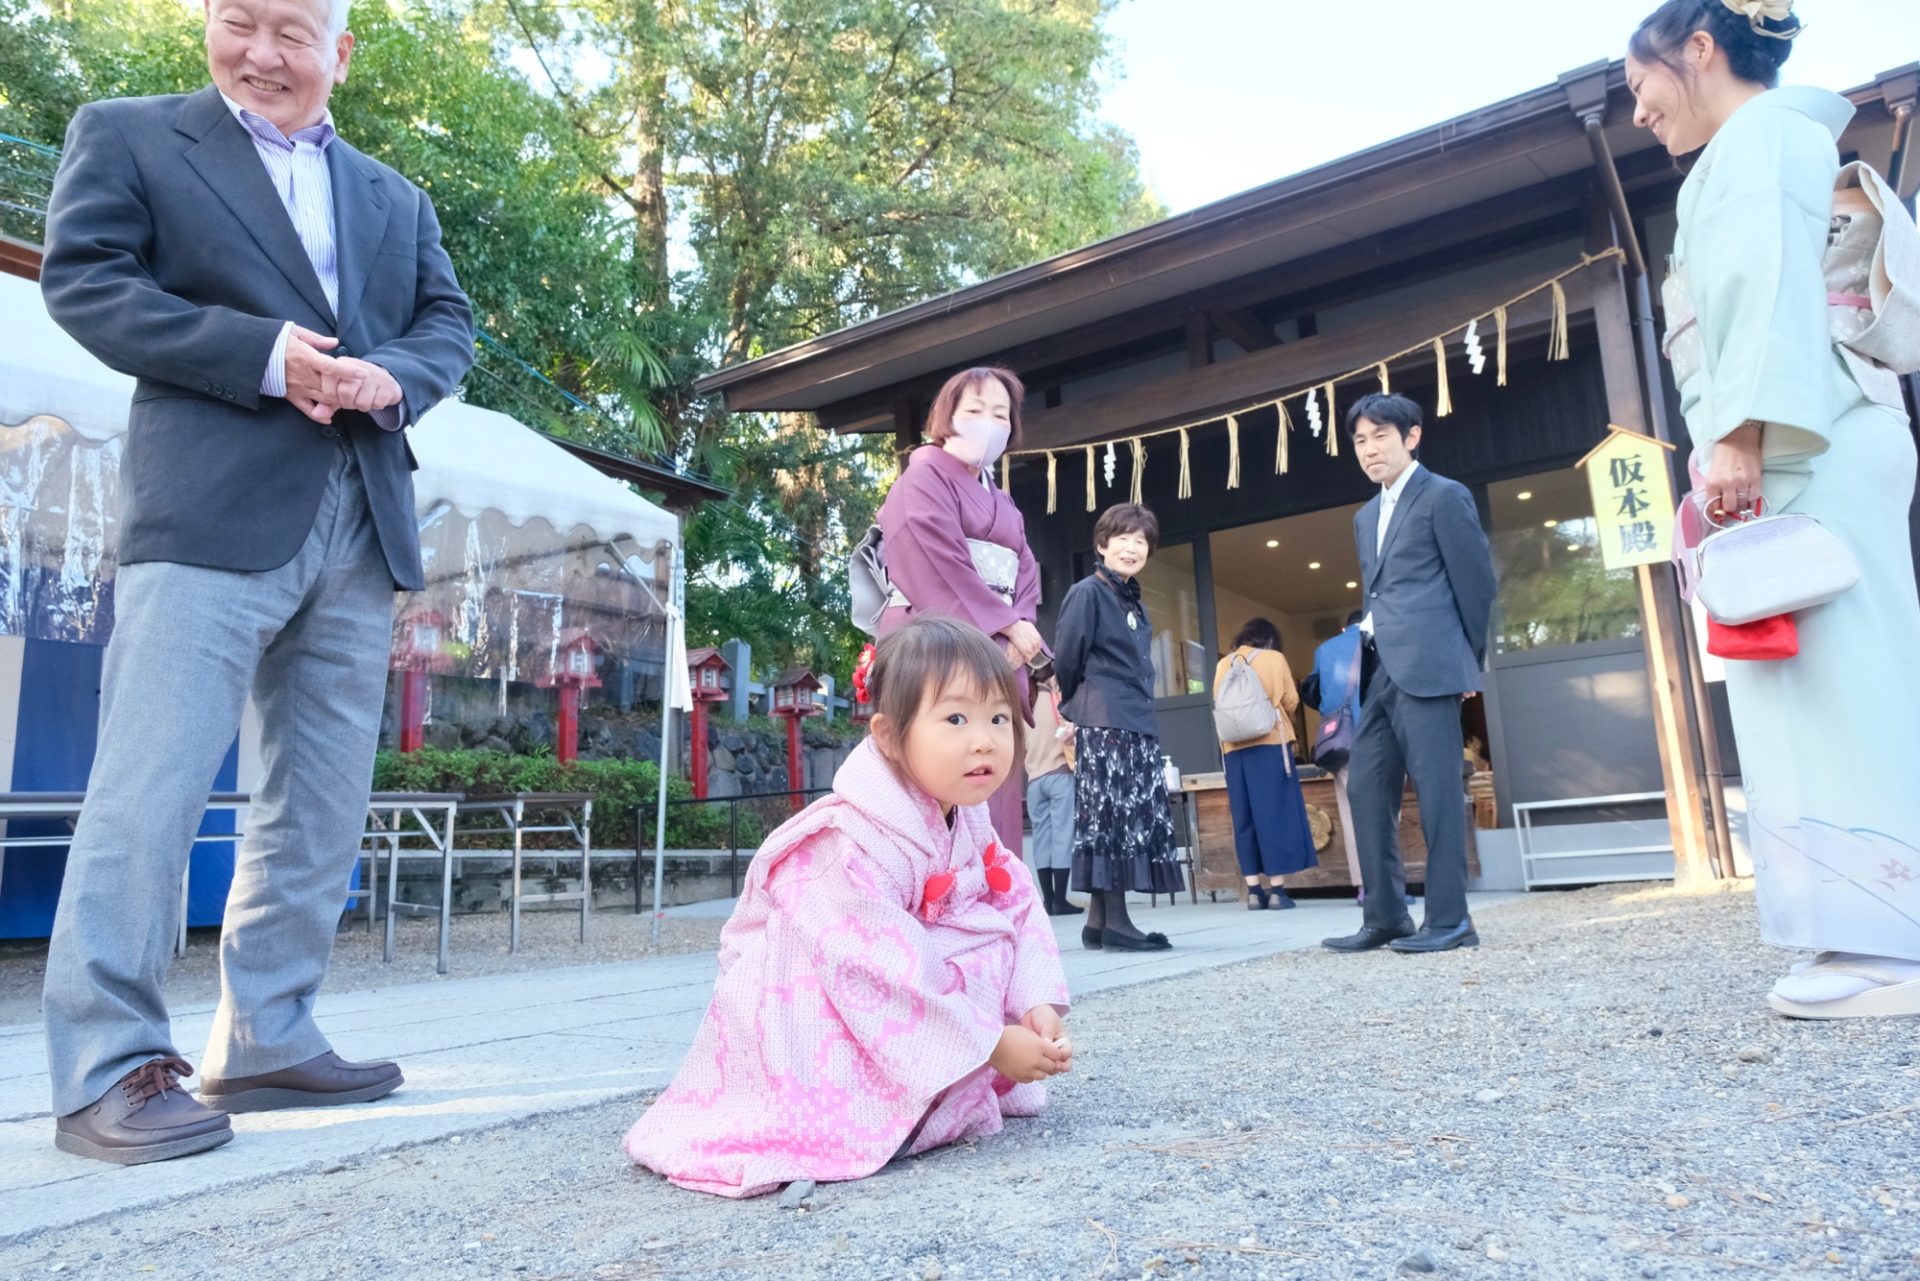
[841, 730]
[617, 787]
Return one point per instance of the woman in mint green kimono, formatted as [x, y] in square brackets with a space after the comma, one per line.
[1768, 319]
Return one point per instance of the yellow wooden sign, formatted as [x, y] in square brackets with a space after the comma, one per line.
[1632, 498]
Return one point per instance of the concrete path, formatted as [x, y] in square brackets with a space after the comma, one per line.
[487, 1051]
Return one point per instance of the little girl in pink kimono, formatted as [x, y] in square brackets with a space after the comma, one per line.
[888, 982]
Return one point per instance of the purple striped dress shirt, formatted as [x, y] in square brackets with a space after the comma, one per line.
[297, 167]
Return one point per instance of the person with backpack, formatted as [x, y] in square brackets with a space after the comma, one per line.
[1254, 700]
[1333, 690]
[1792, 307]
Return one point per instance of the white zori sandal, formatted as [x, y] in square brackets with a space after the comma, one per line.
[1845, 985]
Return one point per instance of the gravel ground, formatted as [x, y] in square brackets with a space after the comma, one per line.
[478, 946]
[1598, 1091]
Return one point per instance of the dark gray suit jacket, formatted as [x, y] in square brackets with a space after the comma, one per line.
[171, 258]
[1431, 588]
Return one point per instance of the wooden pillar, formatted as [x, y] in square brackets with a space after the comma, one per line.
[906, 428]
[1675, 733]
[1199, 340]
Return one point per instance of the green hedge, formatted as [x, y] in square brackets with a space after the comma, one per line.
[617, 786]
[841, 731]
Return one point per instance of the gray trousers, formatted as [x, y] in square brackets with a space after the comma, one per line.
[311, 640]
[1404, 735]
[1050, 806]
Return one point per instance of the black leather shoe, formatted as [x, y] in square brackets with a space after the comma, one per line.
[1090, 937]
[1113, 942]
[1428, 939]
[1366, 939]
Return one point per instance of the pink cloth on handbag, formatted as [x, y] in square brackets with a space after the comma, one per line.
[857, 1003]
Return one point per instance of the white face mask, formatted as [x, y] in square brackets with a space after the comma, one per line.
[978, 442]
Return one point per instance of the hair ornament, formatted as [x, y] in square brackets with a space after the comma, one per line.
[1760, 12]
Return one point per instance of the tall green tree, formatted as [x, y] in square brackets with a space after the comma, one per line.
[518, 190]
[636, 191]
[810, 164]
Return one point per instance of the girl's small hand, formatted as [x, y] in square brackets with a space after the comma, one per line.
[1024, 1056]
[1044, 1020]
[1732, 484]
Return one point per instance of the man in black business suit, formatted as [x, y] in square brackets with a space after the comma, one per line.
[228, 250]
[1430, 588]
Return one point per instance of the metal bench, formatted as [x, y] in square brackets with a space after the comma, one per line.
[1532, 875]
[512, 810]
[66, 806]
[386, 815]
[434, 815]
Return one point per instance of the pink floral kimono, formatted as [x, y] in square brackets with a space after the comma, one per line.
[874, 959]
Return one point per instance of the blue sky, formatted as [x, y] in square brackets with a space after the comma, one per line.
[1222, 95]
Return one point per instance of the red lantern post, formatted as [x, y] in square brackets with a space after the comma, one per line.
[705, 668]
[419, 650]
[794, 699]
[573, 673]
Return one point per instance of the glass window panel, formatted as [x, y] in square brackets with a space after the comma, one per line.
[1554, 589]
[1168, 590]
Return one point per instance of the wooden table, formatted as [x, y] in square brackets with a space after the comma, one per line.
[1216, 868]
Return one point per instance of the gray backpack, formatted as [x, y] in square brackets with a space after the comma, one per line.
[1242, 710]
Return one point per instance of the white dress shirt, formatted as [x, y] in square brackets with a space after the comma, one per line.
[1389, 499]
[297, 167]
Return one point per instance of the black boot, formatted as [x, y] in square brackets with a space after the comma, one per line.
[1062, 905]
[1047, 897]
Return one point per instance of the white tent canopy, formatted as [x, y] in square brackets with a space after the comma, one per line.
[477, 460]
[470, 458]
[43, 371]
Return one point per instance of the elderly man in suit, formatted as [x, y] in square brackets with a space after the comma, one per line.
[1430, 588]
[287, 310]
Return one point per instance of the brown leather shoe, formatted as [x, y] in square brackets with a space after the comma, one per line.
[320, 1082]
[146, 1117]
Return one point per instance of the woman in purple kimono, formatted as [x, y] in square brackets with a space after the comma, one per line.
[956, 546]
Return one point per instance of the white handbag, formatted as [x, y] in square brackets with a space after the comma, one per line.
[1766, 566]
[868, 587]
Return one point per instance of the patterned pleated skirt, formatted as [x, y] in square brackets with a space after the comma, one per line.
[1123, 830]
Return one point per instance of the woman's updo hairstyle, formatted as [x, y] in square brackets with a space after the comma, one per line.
[1756, 46]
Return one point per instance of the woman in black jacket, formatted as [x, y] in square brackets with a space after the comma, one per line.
[1103, 656]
